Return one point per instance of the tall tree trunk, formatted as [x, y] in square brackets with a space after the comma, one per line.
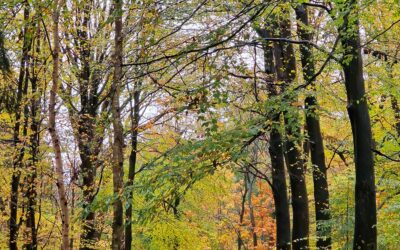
[17, 144]
[25, 184]
[34, 137]
[17, 164]
[279, 189]
[321, 192]
[300, 233]
[30, 179]
[135, 119]
[118, 144]
[275, 149]
[88, 144]
[53, 132]
[285, 64]
[365, 232]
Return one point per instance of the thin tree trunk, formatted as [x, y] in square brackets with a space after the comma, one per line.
[135, 117]
[241, 215]
[13, 223]
[365, 231]
[53, 132]
[30, 180]
[251, 209]
[34, 137]
[17, 161]
[321, 192]
[72, 210]
[118, 144]
[396, 110]
[286, 70]
[25, 184]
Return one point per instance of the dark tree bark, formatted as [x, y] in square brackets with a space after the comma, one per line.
[118, 143]
[4, 61]
[396, 110]
[88, 234]
[250, 183]
[279, 188]
[313, 129]
[286, 71]
[240, 242]
[88, 135]
[19, 149]
[13, 222]
[135, 119]
[30, 179]
[275, 149]
[300, 233]
[365, 232]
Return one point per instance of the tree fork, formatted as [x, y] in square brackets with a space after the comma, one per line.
[285, 65]
[275, 149]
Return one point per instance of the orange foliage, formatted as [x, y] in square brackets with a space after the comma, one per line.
[263, 208]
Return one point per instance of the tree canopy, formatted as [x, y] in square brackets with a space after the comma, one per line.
[248, 124]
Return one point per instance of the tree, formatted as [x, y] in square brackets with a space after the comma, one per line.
[58, 5]
[118, 143]
[216, 116]
[313, 128]
[286, 71]
[134, 119]
[365, 232]
[17, 145]
[275, 149]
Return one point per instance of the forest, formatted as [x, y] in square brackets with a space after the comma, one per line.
[199, 124]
